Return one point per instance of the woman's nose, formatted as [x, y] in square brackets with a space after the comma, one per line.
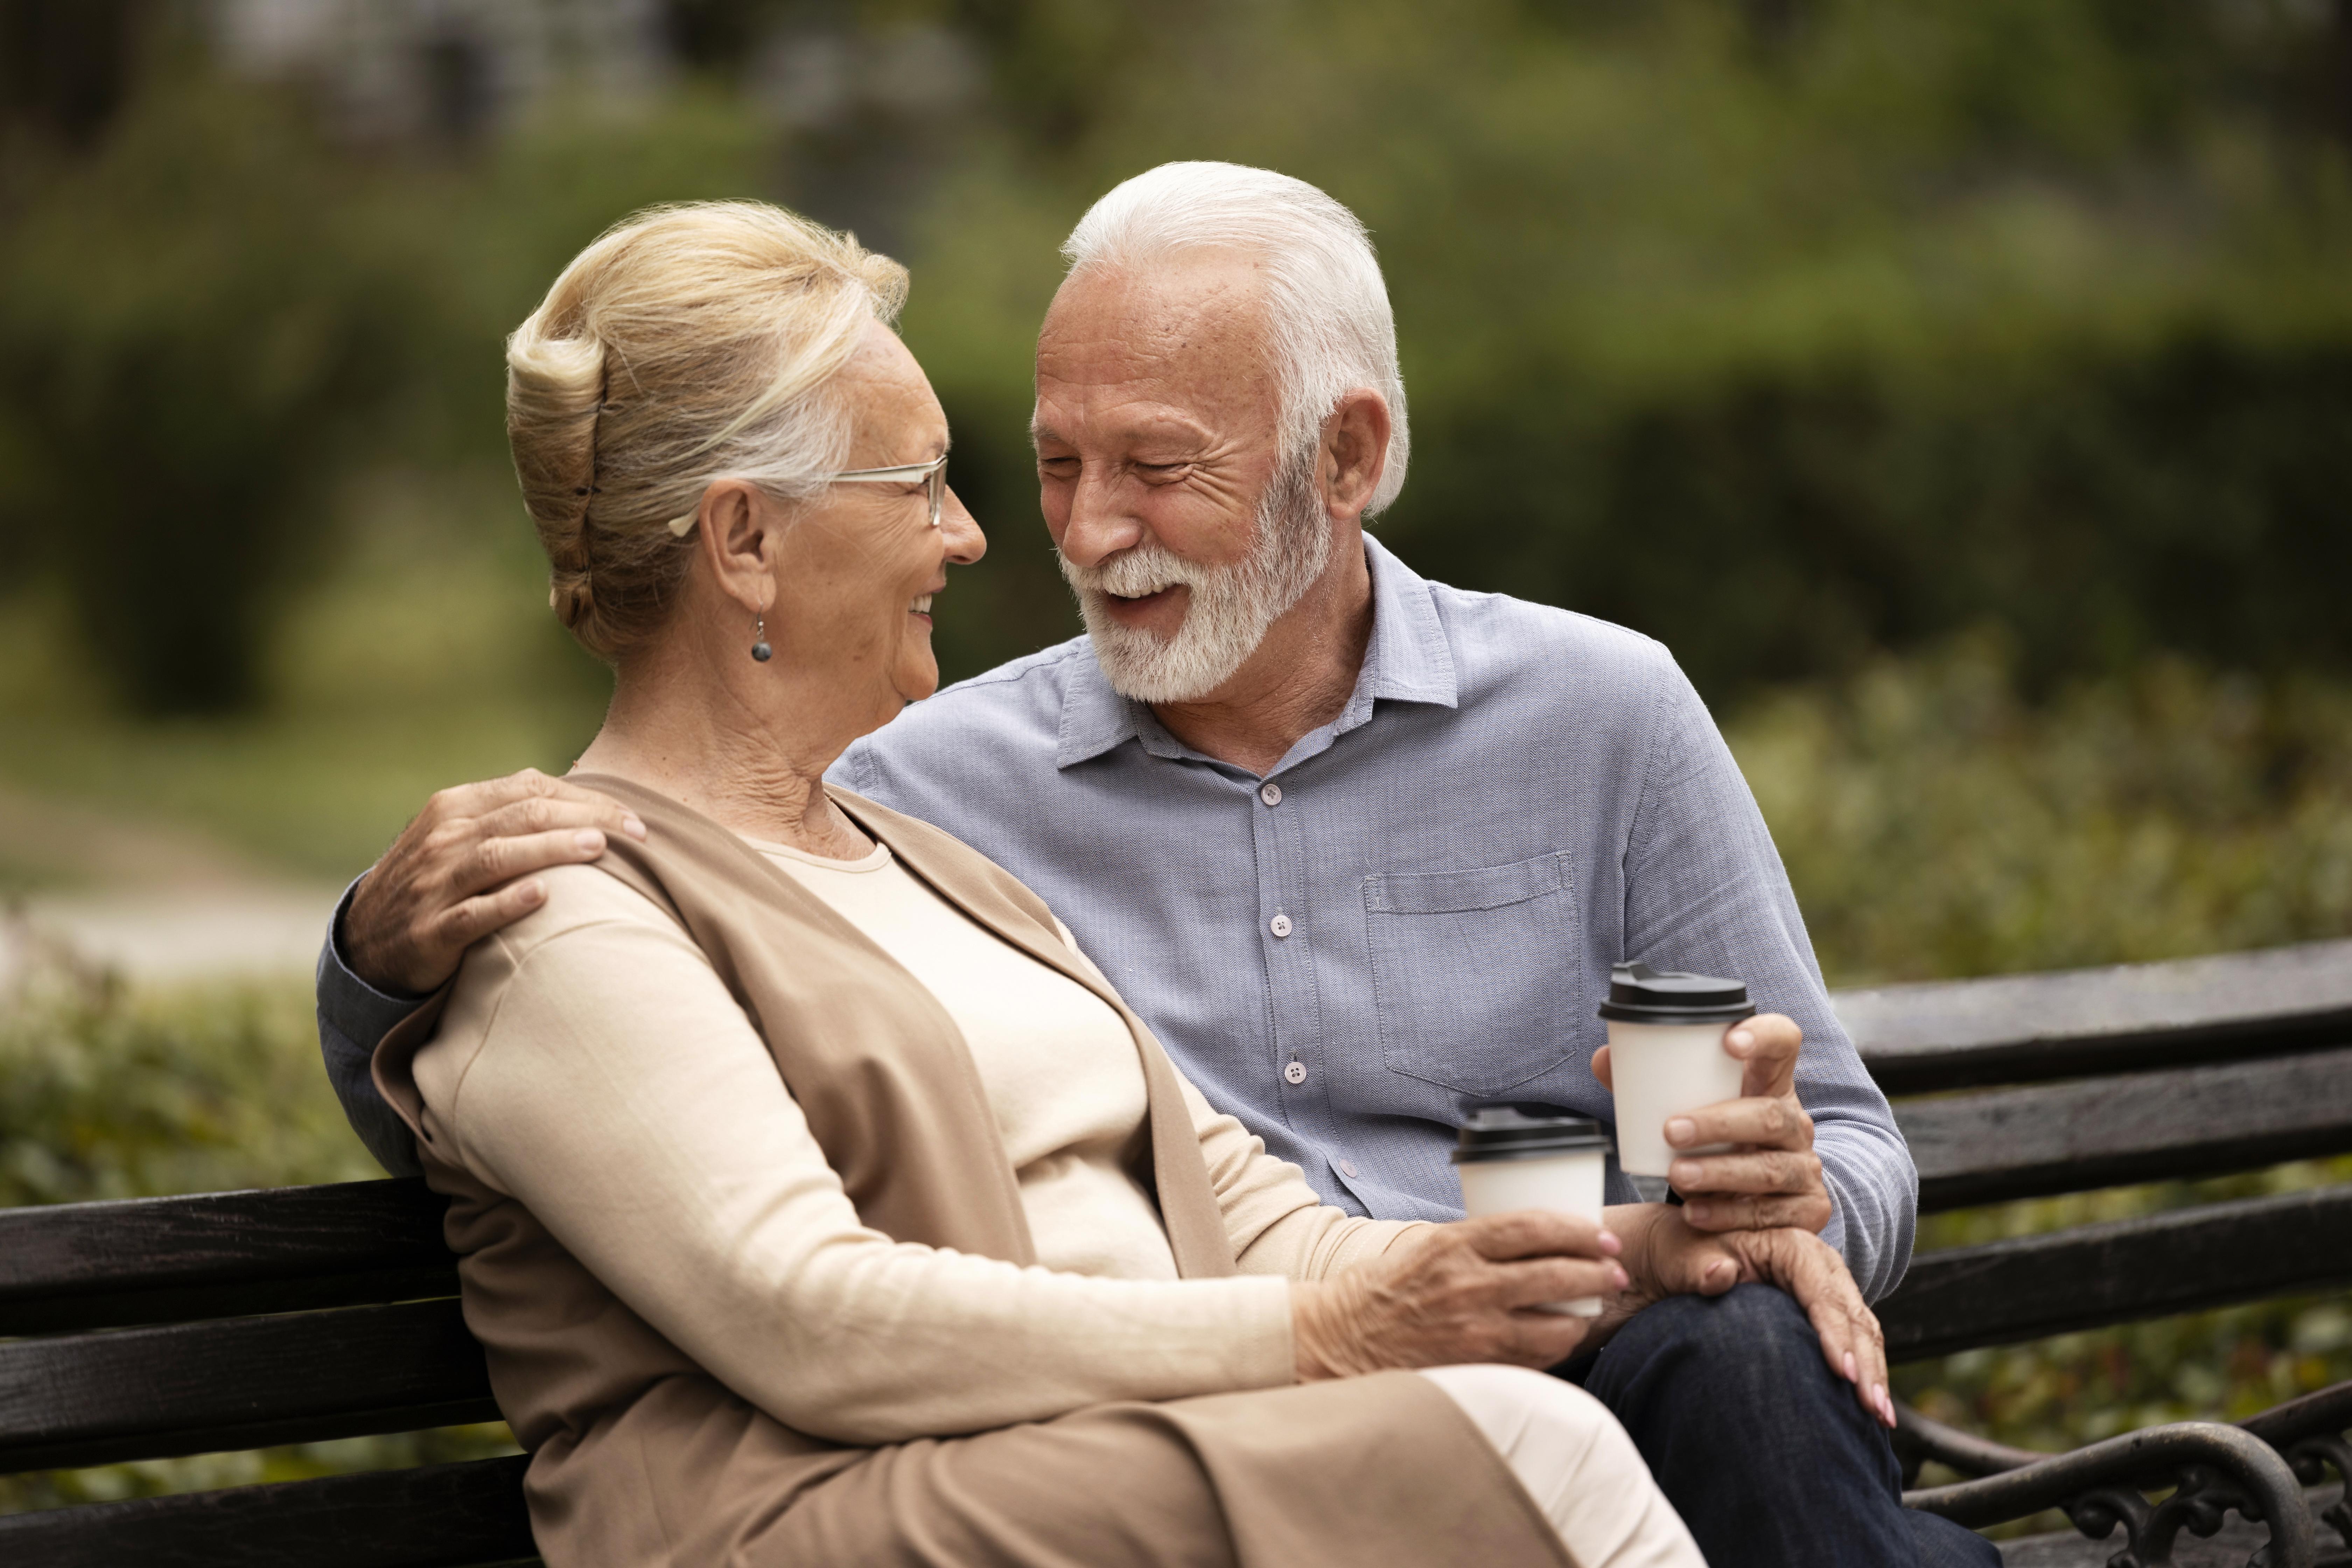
[965, 542]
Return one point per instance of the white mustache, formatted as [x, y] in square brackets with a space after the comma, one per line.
[1135, 573]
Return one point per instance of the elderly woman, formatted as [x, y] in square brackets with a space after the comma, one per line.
[818, 1202]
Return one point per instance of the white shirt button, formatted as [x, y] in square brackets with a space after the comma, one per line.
[1295, 1073]
[1270, 794]
[1347, 1167]
[1279, 925]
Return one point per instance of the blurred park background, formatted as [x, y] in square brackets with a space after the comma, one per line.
[1961, 388]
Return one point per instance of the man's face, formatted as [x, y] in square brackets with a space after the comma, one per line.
[1159, 471]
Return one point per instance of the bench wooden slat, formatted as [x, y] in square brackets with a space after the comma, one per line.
[83, 1266]
[2141, 1127]
[436, 1516]
[2185, 1261]
[2018, 1028]
[240, 1383]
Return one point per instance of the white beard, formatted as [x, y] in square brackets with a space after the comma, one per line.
[1230, 607]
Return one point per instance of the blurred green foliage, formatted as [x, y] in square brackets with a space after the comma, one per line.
[1935, 824]
[1788, 332]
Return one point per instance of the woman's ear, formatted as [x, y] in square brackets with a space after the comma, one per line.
[742, 536]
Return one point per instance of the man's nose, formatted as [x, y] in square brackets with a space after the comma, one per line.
[1100, 524]
[961, 530]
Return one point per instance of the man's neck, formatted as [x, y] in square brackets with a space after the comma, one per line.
[1298, 680]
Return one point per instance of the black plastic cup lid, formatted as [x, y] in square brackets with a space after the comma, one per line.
[1525, 1132]
[1640, 994]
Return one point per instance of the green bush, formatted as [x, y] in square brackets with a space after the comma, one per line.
[1936, 824]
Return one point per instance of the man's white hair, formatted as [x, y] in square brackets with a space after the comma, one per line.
[1325, 302]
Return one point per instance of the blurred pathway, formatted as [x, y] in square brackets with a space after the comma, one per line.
[153, 902]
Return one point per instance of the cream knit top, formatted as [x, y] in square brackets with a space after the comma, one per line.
[593, 1065]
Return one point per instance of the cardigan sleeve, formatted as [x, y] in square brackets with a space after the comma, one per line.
[593, 1067]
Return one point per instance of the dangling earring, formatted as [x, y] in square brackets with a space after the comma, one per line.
[759, 648]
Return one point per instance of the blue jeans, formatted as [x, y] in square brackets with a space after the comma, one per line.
[1765, 1453]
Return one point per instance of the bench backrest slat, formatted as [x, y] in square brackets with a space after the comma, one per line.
[240, 1383]
[2019, 1029]
[220, 1254]
[2182, 1261]
[2138, 1127]
[428, 1517]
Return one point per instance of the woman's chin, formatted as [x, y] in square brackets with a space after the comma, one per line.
[917, 680]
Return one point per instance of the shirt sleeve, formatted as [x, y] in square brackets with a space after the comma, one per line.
[619, 1094]
[353, 1016]
[1705, 890]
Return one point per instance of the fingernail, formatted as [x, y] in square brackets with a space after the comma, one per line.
[1853, 1373]
[1610, 1243]
[1700, 1213]
[1878, 1397]
[1617, 1279]
[1681, 1130]
[532, 890]
[633, 828]
[590, 840]
[1742, 1042]
[1683, 1173]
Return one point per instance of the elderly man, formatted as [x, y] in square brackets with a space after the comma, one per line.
[1360, 848]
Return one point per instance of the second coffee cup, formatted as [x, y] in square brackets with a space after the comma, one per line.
[1523, 1157]
[1665, 1059]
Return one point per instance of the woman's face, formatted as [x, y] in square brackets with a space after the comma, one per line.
[860, 562]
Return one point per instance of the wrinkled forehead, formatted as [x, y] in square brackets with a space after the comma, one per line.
[1186, 333]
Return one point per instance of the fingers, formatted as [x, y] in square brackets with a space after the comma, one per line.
[1759, 1172]
[1853, 1343]
[1768, 1044]
[1537, 1232]
[1601, 1069]
[498, 860]
[1800, 1211]
[1537, 1281]
[1696, 1266]
[1775, 1123]
[574, 809]
[463, 925]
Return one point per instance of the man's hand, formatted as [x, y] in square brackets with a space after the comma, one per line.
[462, 871]
[1772, 1178]
[1462, 1293]
[1665, 1256]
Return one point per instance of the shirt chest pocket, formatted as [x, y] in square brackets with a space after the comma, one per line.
[1473, 972]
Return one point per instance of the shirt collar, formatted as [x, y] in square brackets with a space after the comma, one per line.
[1408, 660]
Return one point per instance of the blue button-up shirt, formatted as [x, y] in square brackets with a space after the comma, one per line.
[1415, 910]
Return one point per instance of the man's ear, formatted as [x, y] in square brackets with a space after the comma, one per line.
[1355, 453]
[741, 535]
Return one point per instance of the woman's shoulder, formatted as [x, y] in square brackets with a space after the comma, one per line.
[583, 898]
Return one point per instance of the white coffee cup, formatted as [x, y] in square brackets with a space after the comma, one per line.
[1512, 1157]
[1666, 1058]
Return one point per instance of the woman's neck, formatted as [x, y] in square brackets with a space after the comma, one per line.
[743, 753]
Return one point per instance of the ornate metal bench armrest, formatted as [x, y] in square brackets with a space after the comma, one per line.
[2214, 1468]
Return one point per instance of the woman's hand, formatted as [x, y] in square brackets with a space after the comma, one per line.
[1666, 1258]
[1465, 1292]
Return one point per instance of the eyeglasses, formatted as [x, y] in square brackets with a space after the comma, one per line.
[933, 476]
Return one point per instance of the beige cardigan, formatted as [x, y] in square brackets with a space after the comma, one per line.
[678, 1168]
[642, 1454]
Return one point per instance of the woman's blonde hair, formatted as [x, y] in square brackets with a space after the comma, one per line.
[689, 343]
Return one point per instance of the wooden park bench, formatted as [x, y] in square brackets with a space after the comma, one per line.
[160, 1327]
